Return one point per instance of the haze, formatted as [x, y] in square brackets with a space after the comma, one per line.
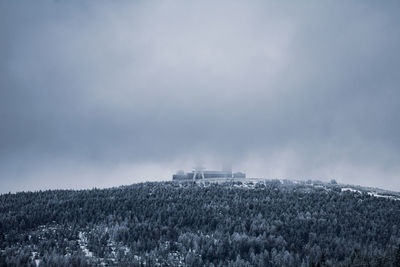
[106, 93]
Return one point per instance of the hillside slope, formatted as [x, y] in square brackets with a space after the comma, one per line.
[263, 223]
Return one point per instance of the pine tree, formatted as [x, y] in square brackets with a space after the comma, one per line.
[397, 258]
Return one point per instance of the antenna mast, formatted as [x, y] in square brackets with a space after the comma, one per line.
[198, 171]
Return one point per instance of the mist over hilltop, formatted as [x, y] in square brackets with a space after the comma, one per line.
[108, 93]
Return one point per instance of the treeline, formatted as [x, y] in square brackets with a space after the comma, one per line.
[185, 224]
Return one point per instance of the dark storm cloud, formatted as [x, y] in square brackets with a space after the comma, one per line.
[107, 93]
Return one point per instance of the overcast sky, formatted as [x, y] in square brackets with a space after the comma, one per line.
[106, 93]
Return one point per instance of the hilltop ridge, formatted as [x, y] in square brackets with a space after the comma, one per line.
[237, 223]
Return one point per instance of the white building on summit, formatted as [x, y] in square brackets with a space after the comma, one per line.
[200, 173]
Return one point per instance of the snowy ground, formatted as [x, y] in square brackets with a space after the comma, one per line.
[83, 245]
[374, 194]
[252, 182]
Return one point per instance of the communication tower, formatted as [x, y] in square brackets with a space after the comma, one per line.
[198, 171]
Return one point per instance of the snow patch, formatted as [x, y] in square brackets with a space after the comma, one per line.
[374, 194]
[350, 189]
[83, 245]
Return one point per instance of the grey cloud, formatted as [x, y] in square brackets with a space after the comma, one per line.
[96, 92]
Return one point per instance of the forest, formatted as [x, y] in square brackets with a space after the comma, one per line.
[266, 223]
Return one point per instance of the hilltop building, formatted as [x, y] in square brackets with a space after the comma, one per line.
[200, 173]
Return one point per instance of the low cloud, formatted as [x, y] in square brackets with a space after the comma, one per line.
[109, 93]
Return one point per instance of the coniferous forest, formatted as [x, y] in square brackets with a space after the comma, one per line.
[268, 223]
